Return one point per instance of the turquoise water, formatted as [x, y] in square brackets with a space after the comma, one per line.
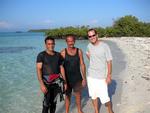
[19, 88]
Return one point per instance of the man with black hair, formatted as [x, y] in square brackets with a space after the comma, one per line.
[49, 66]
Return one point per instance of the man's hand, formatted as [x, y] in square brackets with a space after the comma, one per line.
[108, 79]
[84, 82]
[43, 88]
[65, 86]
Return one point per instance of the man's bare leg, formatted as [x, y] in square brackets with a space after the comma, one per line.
[95, 104]
[109, 107]
[78, 101]
[67, 102]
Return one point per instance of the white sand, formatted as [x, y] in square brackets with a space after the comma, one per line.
[135, 94]
[130, 88]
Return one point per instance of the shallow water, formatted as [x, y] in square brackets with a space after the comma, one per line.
[19, 88]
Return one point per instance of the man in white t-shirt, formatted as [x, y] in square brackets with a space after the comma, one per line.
[99, 71]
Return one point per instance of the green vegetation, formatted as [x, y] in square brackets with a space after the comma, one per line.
[128, 26]
[38, 30]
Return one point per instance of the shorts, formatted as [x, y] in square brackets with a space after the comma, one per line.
[76, 88]
[98, 88]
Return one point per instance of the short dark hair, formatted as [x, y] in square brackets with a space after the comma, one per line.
[49, 38]
[92, 30]
[71, 35]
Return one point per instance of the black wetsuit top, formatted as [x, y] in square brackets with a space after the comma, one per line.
[72, 68]
[50, 63]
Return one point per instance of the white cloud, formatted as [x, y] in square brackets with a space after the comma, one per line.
[5, 25]
[47, 22]
[94, 21]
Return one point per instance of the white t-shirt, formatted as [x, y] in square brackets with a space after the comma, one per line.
[99, 55]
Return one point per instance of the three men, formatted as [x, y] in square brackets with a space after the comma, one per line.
[71, 65]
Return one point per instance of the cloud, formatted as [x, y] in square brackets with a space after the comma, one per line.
[94, 21]
[47, 22]
[5, 25]
[44, 23]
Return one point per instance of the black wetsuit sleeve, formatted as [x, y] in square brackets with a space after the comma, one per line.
[39, 58]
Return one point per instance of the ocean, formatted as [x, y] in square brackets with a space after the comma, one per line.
[19, 87]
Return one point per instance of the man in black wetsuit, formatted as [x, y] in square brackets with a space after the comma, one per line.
[73, 63]
[49, 63]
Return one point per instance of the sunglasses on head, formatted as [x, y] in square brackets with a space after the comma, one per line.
[92, 36]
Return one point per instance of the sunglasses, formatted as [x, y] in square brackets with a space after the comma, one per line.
[92, 36]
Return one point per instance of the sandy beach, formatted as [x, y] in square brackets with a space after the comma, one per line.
[130, 87]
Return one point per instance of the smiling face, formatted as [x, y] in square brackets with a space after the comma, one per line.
[50, 44]
[92, 36]
[70, 41]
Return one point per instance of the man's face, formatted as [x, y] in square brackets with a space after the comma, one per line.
[70, 41]
[50, 44]
[92, 36]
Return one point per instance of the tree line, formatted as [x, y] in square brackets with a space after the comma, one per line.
[128, 26]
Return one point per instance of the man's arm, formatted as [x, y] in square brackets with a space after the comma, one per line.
[88, 55]
[109, 74]
[62, 71]
[83, 68]
[39, 76]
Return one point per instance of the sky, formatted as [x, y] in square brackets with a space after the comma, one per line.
[23, 15]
